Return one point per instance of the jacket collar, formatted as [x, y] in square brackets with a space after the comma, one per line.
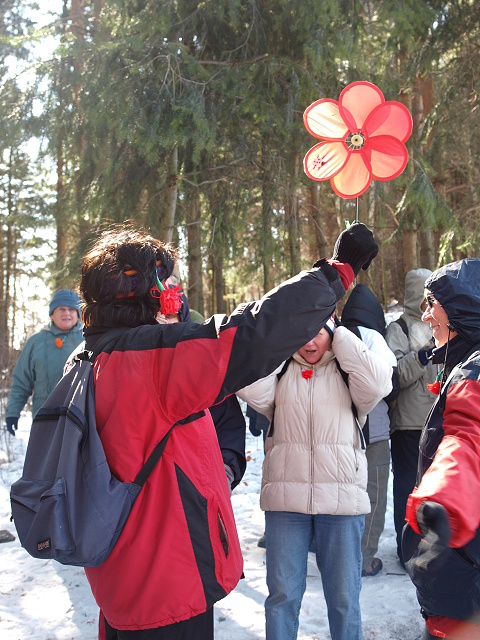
[325, 359]
[56, 331]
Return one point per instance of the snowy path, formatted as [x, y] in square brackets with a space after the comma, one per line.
[48, 601]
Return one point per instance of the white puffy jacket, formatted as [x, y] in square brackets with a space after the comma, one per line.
[314, 454]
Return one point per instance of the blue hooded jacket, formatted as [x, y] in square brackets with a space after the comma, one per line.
[450, 585]
[457, 287]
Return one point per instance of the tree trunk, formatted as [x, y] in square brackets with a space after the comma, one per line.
[321, 244]
[9, 264]
[410, 234]
[97, 9]
[4, 333]
[429, 250]
[409, 251]
[79, 30]
[59, 206]
[292, 222]
[219, 284]
[422, 105]
[194, 237]
[266, 238]
[167, 221]
[194, 243]
[266, 220]
[77, 15]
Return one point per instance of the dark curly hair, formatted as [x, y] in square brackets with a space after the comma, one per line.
[117, 275]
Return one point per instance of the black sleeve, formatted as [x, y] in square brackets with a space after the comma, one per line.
[269, 331]
[230, 427]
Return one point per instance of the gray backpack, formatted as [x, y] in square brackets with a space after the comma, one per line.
[67, 505]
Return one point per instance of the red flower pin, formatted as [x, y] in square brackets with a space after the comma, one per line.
[58, 343]
[363, 138]
[434, 387]
[170, 301]
[307, 373]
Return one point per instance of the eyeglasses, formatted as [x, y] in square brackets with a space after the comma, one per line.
[430, 301]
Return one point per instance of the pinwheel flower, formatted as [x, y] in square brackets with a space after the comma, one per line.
[363, 138]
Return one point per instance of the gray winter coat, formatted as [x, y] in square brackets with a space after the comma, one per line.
[414, 400]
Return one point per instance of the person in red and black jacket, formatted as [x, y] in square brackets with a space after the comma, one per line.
[441, 541]
[179, 552]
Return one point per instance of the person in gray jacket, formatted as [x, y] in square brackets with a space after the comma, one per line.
[40, 364]
[363, 315]
[411, 341]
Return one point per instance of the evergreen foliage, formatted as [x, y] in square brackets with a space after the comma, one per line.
[186, 117]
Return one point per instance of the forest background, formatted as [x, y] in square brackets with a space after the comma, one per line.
[186, 118]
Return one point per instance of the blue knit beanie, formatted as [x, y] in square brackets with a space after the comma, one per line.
[64, 298]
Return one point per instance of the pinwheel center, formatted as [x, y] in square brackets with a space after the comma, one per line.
[355, 140]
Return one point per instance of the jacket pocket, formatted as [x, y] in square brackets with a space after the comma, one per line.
[222, 532]
[43, 526]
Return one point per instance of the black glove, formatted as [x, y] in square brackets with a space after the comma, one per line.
[356, 246]
[12, 425]
[253, 429]
[432, 520]
[424, 356]
[252, 416]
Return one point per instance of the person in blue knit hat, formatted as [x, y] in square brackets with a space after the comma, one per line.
[40, 364]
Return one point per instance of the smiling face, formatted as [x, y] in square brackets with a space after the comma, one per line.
[313, 351]
[437, 317]
[64, 318]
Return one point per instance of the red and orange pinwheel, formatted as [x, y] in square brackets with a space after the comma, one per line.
[362, 138]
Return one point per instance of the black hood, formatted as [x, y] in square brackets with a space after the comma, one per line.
[363, 309]
[184, 311]
[457, 287]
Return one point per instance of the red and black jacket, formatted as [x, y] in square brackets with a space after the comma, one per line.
[448, 586]
[179, 552]
[449, 473]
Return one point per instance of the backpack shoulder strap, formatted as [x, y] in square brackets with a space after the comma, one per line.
[154, 457]
[280, 374]
[70, 392]
[403, 325]
[152, 460]
[284, 368]
[156, 454]
[344, 375]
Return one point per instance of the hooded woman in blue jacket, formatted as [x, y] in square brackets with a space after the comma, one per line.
[441, 541]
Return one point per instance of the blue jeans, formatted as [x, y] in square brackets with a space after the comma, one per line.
[339, 560]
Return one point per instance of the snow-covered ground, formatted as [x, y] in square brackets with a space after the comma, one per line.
[46, 600]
